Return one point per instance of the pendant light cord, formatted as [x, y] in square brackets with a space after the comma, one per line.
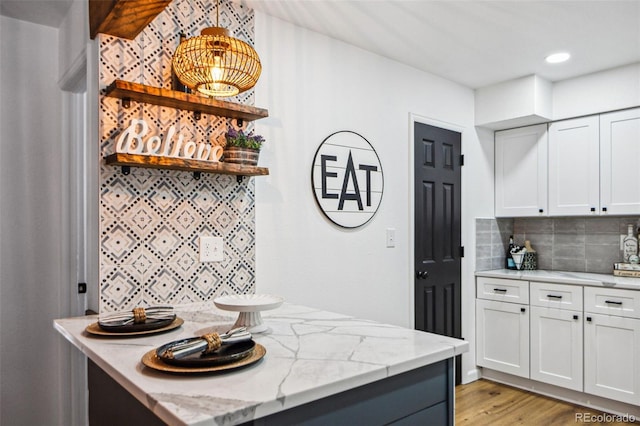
[217, 13]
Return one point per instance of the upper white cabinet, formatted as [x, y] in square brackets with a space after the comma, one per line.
[579, 167]
[620, 161]
[574, 167]
[521, 171]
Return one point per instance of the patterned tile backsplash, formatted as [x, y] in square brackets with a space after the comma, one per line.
[590, 244]
[151, 220]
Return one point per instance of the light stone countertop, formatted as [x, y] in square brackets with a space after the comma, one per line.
[311, 354]
[560, 277]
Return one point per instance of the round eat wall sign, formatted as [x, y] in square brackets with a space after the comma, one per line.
[347, 179]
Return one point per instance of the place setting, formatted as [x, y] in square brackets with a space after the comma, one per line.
[139, 321]
[208, 353]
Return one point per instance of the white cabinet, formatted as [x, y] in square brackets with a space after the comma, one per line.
[502, 327]
[579, 167]
[612, 344]
[619, 161]
[556, 334]
[574, 167]
[521, 171]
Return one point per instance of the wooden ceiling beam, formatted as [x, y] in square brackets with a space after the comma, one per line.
[122, 18]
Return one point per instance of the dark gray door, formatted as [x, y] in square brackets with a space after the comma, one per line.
[437, 231]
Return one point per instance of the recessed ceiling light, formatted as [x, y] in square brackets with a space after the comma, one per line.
[557, 58]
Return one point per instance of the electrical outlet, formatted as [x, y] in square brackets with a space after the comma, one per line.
[211, 249]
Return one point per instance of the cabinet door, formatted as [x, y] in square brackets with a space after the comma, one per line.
[556, 347]
[502, 336]
[574, 167]
[611, 354]
[521, 171]
[619, 162]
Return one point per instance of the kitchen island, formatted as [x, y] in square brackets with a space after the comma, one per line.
[320, 367]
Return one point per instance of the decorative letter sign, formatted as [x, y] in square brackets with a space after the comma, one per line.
[347, 179]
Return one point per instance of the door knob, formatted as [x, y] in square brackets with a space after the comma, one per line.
[421, 275]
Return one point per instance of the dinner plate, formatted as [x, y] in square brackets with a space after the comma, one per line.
[148, 324]
[151, 360]
[224, 355]
[96, 330]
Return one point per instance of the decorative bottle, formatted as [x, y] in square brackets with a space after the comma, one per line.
[629, 244]
[508, 260]
[176, 84]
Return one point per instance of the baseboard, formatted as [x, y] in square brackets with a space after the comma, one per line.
[471, 376]
[579, 398]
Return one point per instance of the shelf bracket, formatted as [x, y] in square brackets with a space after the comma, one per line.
[126, 102]
[240, 122]
[197, 175]
[197, 115]
[239, 178]
[126, 170]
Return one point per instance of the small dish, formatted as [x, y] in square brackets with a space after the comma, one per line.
[224, 355]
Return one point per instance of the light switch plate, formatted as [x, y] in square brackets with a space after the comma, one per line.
[211, 249]
[391, 237]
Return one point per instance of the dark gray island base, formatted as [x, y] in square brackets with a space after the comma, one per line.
[418, 397]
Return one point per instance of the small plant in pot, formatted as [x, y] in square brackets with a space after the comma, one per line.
[242, 148]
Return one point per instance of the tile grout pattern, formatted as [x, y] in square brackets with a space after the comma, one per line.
[151, 220]
[589, 244]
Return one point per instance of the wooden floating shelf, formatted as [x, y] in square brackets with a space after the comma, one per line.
[122, 18]
[186, 101]
[171, 163]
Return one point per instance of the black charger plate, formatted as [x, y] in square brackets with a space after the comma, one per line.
[226, 354]
[148, 325]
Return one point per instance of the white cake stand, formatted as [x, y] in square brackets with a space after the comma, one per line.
[249, 306]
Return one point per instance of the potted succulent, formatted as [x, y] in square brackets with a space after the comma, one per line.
[242, 148]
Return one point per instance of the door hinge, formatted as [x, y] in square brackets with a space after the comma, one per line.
[462, 159]
[462, 251]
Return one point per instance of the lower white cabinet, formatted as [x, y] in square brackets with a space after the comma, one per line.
[502, 332]
[612, 344]
[582, 338]
[556, 347]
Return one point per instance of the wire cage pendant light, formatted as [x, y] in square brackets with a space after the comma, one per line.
[216, 64]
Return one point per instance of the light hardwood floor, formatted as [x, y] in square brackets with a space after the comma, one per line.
[488, 403]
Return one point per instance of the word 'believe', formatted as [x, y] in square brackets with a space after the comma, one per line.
[131, 142]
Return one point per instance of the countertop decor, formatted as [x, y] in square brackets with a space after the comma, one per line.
[311, 354]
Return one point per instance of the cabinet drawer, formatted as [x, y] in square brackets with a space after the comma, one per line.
[562, 296]
[504, 290]
[612, 301]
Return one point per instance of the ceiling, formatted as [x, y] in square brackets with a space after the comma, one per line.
[475, 43]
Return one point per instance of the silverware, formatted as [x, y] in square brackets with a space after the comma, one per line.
[235, 335]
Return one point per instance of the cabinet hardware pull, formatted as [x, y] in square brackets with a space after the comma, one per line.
[523, 310]
[554, 296]
[613, 302]
[593, 209]
[575, 317]
[540, 210]
[500, 290]
[604, 209]
[588, 319]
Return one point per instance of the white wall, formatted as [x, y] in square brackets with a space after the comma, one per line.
[34, 359]
[609, 90]
[312, 86]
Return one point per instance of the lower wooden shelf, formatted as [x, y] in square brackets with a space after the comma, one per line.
[186, 165]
